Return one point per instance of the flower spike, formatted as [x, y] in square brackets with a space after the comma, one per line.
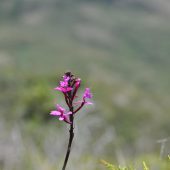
[69, 86]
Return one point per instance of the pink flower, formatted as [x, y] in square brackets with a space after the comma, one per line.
[81, 103]
[75, 88]
[64, 86]
[61, 113]
[63, 89]
[78, 81]
[63, 83]
[87, 94]
[66, 78]
[69, 87]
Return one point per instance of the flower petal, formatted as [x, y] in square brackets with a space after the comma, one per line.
[58, 88]
[89, 103]
[55, 113]
[87, 94]
[63, 84]
[68, 89]
[63, 89]
[61, 118]
[68, 113]
[66, 119]
[78, 83]
[60, 109]
[66, 78]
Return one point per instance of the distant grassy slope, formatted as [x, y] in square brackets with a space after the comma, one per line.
[130, 42]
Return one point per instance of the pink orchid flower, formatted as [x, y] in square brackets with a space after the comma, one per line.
[61, 113]
[69, 86]
[81, 103]
[64, 86]
[87, 94]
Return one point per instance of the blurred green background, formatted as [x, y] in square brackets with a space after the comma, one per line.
[119, 48]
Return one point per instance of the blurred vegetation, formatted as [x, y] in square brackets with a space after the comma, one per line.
[119, 48]
[154, 164]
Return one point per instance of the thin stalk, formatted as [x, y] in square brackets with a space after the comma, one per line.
[79, 107]
[70, 140]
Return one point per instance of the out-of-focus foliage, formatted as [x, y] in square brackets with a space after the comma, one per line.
[119, 48]
[154, 164]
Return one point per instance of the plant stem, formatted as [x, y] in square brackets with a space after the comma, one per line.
[70, 140]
